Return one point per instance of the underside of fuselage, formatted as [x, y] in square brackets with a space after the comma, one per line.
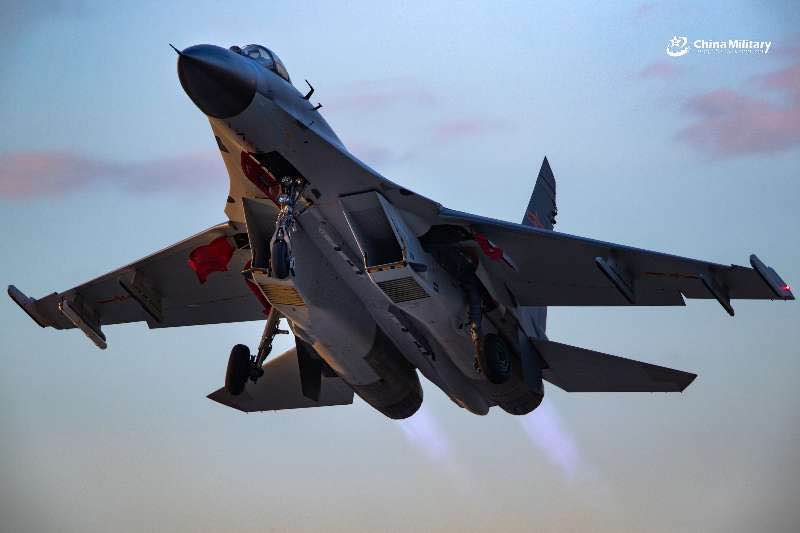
[373, 322]
[362, 290]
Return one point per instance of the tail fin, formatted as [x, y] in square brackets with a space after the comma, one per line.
[541, 211]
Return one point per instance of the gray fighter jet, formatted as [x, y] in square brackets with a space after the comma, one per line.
[375, 281]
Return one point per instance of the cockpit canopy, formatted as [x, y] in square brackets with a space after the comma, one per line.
[264, 57]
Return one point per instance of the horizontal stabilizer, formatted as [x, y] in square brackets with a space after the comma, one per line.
[280, 388]
[578, 370]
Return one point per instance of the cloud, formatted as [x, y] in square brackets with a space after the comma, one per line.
[377, 95]
[41, 173]
[660, 70]
[644, 9]
[375, 154]
[435, 124]
[467, 128]
[430, 139]
[729, 123]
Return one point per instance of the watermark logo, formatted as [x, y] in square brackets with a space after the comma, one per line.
[678, 46]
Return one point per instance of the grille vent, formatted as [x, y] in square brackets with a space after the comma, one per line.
[403, 289]
[282, 295]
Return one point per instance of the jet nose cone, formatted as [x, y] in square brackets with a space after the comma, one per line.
[220, 82]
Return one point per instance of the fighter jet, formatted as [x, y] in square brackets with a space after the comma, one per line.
[377, 283]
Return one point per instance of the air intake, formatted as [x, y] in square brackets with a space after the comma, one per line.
[403, 289]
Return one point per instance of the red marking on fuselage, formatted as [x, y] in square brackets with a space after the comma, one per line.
[259, 177]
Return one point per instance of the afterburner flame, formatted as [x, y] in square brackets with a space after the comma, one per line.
[545, 430]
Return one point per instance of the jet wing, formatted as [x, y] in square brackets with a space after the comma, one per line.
[196, 281]
[543, 267]
[578, 370]
[281, 388]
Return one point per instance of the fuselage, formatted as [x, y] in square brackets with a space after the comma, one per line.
[364, 291]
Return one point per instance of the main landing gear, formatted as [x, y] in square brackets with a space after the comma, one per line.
[496, 359]
[280, 256]
[493, 357]
[243, 366]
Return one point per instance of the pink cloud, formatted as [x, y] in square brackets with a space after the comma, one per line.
[727, 122]
[457, 129]
[644, 9]
[787, 80]
[40, 173]
[374, 154]
[439, 133]
[660, 69]
[371, 96]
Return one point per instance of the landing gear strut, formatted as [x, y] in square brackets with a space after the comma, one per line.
[280, 257]
[475, 315]
[493, 357]
[243, 366]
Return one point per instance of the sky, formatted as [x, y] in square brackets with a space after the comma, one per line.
[104, 159]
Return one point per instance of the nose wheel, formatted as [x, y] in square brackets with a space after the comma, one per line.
[280, 254]
[279, 259]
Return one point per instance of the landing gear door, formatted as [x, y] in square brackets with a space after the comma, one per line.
[260, 219]
[412, 250]
[383, 237]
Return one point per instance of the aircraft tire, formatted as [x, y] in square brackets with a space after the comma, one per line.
[496, 359]
[238, 369]
[279, 259]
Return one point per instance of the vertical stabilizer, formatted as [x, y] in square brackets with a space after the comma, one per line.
[541, 211]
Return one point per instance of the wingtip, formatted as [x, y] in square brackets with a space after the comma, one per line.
[27, 304]
[768, 275]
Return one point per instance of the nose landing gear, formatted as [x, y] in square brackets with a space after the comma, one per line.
[280, 257]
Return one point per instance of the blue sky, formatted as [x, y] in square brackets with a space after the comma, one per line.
[103, 159]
